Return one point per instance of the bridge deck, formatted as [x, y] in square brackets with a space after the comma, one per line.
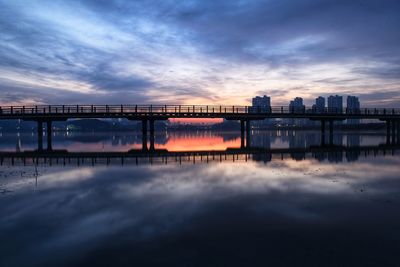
[138, 112]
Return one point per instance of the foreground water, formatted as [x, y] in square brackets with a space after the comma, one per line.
[335, 208]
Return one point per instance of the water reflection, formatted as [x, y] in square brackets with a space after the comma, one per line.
[160, 156]
[288, 212]
[185, 141]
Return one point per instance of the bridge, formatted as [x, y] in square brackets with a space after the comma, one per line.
[148, 114]
[162, 156]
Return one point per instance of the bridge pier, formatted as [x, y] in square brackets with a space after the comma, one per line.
[398, 131]
[40, 135]
[394, 125]
[144, 134]
[322, 132]
[388, 126]
[49, 135]
[152, 137]
[331, 132]
[242, 134]
[248, 133]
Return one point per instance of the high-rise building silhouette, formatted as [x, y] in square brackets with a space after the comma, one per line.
[297, 106]
[335, 103]
[262, 103]
[353, 106]
[320, 104]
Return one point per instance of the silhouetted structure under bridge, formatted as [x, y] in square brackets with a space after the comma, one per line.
[136, 157]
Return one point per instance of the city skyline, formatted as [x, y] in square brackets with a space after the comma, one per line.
[333, 101]
[205, 52]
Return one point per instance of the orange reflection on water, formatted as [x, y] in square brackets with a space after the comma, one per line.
[175, 141]
[196, 120]
[195, 143]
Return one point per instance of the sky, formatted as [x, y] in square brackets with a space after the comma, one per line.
[198, 52]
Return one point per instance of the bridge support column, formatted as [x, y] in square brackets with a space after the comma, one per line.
[40, 135]
[248, 133]
[241, 133]
[398, 132]
[144, 134]
[152, 137]
[331, 132]
[322, 132]
[394, 131]
[388, 123]
[49, 133]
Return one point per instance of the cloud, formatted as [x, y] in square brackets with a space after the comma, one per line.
[304, 30]
[198, 51]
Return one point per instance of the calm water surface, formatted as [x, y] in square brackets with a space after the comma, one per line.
[341, 209]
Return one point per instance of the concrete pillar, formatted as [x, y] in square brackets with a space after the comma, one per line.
[394, 131]
[388, 131]
[144, 134]
[49, 135]
[331, 132]
[241, 133]
[152, 137]
[40, 135]
[322, 132]
[398, 132]
[248, 133]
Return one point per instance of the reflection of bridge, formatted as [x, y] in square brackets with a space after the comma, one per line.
[136, 157]
[150, 113]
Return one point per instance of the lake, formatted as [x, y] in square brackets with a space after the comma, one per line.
[97, 200]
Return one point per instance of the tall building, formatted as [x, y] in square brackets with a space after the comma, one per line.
[320, 104]
[262, 103]
[297, 106]
[353, 106]
[335, 103]
[318, 107]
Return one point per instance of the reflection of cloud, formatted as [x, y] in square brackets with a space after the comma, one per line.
[78, 210]
[65, 178]
[227, 180]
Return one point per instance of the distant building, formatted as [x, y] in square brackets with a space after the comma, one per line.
[262, 103]
[319, 104]
[353, 106]
[297, 106]
[318, 107]
[335, 103]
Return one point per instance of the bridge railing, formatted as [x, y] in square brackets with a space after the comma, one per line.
[188, 109]
[90, 109]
